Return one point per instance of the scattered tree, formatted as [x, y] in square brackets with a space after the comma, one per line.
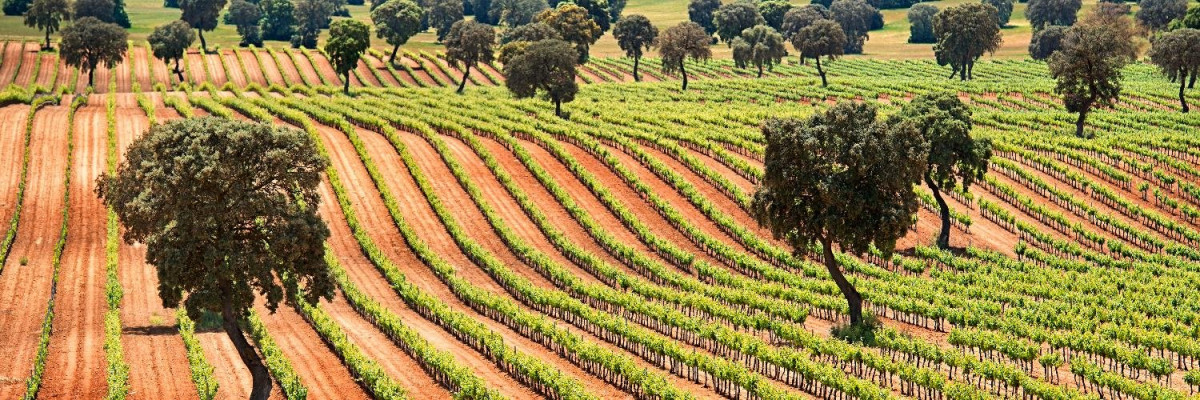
[348, 39]
[1177, 55]
[733, 18]
[15, 7]
[855, 18]
[841, 177]
[800, 17]
[170, 41]
[46, 16]
[1088, 67]
[574, 25]
[311, 16]
[635, 35]
[89, 42]
[680, 42]
[101, 10]
[701, 12]
[120, 17]
[1004, 9]
[443, 15]
[1042, 13]
[1046, 41]
[514, 41]
[479, 9]
[278, 19]
[954, 156]
[963, 35]
[514, 13]
[468, 44]
[201, 15]
[615, 8]
[920, 19]
[395, 22]
[1157, 14]
[546, 67]
[246, 16]
[759, 46]
[822, 38]
[1190, 20]
[252, 190]
[597, 10]
[773, 12]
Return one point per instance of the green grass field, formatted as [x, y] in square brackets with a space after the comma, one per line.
[891, 42]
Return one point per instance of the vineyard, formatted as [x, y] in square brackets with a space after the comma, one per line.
[485, 248]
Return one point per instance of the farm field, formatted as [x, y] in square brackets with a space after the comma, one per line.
[485, 248]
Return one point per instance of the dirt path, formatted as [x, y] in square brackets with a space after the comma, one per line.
[216, 69]
[142, 71]
[29, 56]
[254, 72]
[319, 369]
[158, 365]
[235, 73]
[76, 366]
[368, 279]
[124, 75]
[379, 67]
[12, 147]
[195, 66]
[287, 68]
[26, 279]
[10, 64]
[304, 66]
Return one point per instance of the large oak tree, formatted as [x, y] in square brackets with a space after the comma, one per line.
[46, 16]
[395, 22]
[546, 67]
[823, 38]
[227, 210]
[964, 33]
[1088, 67]
[760, 46]
[680, 42]
[468, 44]
[348, 40]
[842, 177]
[1177, 55]
[170, 41]
[635, 35]
[90, 42]
[201, 15]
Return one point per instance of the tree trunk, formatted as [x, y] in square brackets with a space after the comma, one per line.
[1192, 80]
[179, 71]
[943, 240]
[558, 107]
[47, 46]
[1182, 98]
[760, 70]
[261, 377]
[1079, 122]
[91, 71]
[466, 72]
[636, 78]
[203, 44]
[824, 83]
[346, 83]
[392, 59]
[971, 71]
[953, 72]
[684, 73]
[853, 298]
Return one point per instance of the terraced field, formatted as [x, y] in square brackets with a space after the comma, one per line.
[485, 248]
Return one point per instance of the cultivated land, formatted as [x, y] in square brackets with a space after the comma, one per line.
[480, 241]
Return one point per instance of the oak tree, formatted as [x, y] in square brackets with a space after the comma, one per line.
[1042, 13]
[546, 67]
[226, 209]
[47, 16]
[278, 19]
[1004, 9]
[842, 177]
[773, 12]
[733, 18]
[311, 17]
[800, 17]
[1157, 14]
[635, 35]
[760, 46]
[246, 16]
[348, 40]
[1088, 67]
[202, 16]
[395, 22]
[170, 42]
[1177, 55]
[99, 9]
[963, 35]
[443, 15]
[822, 38]
[701, 12]
[855, 17]
[514, 13]
[468, 44]
[1046, 41]
[90, 42]
[920, 19]
[680, 42]
[574, 25]
[954, 156]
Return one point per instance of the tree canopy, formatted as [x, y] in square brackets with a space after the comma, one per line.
[468, 44]
[799, 17]
[90, 42]
[1042, 13]
[246, 16]
[1191, 19]
[964, 33]
[311, 16]
[546, 67]
[855, 17]
[574, 25]
[278, 19]
[1046, 41]
[348, 40]
[760, 46]
[733, 18]
[773, 12]
[920, 19]
[954, 156]
[1157, 14]
[635, 35]
[1088, 66]
[514, 41]
[395, 22]
[680, 42]
[201, 15]
[99, 9]
[840, 177]
[1177, 55]
[47, 16]
[443, 15]
[823, 38]
[170, 41]
[226, 209]
[701, 12]
[514, 13]
[1004, 9]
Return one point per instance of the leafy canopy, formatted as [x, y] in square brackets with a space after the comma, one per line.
[760, 46]
[443, 15]
[964, 33]
[1046, 41]
[226, 209]
[246, 16]
[170, 41]
[701, 12]
[824, 38]
[90, 42]
[679, 42]
[546, 67]
[800, 17]
[98, 9]
[348, 39]
[396, 21]
[1042, 13]
[574, 25]
[855, 17]
[945, 123]
[635, 35]
[920, 19]
[733, 18]
[47, 15]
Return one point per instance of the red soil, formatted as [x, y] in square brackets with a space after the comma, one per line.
[26, 279]
[365, 72]
[286, 67]
[12, 146]
[195, 65]
[254, 72]
[322, 66]
[379, 67]
[216, 69]
[234, 73]
[29, 55]
[319, 369]
[269, 69]
[12, 57]
[76, 367]
[304, 66]
[141, 67]
[64, 75]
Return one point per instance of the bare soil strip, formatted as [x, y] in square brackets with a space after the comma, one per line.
[235, 73]
[12, 148]
[12, 57]
[319, 369]
[304, 66]
[286, 67]
[142, 70]
[26, 278]
[254, 72]
[216, 69]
